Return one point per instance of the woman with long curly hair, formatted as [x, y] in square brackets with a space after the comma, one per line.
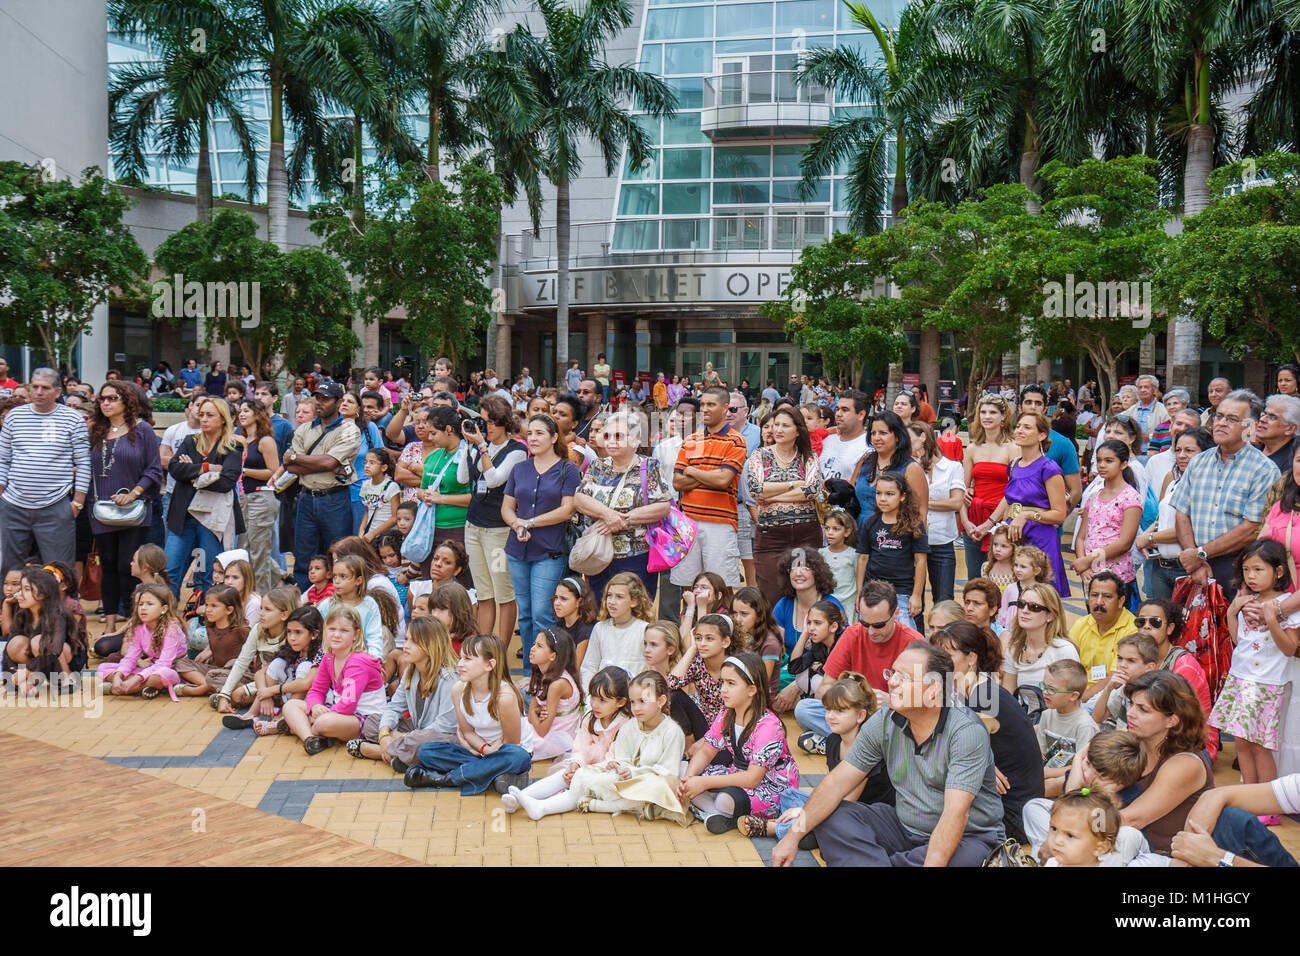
[805, 578]
[124, 467]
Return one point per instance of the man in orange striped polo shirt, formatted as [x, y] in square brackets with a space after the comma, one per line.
[707, 475]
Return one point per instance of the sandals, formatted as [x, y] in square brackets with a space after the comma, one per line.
[354, 748]
[1271, 820]
[149, 693]
[752, 826]
[269, 728]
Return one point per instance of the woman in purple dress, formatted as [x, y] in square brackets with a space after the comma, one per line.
[1034, 503]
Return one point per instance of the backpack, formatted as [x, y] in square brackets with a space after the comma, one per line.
[1205, 630]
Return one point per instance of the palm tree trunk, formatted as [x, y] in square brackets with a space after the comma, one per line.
[898, 201]
[203, 175]
[561, 279]
[366, 332]
[431, 167]
[277, 179]
[1029, 165]
[1185, 363]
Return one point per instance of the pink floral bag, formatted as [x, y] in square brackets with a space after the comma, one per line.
[671, 538]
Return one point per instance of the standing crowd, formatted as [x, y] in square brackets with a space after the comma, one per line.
[348, 562]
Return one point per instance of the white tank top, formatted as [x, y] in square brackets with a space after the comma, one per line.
[489, 728]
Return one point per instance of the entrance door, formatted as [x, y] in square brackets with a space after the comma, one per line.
[777, 368]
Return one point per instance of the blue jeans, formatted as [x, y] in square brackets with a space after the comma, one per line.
[321, 520]
[1241, 833]
[535, 583]
[975, 558]
[180, 550]
[942, 568]
[1161, 580]
[789, 799]
[358, 515]
[474, 773]
[810, 714]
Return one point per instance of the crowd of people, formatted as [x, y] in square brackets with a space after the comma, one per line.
[691, 569]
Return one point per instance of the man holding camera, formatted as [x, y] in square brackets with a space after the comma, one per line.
[321, 454]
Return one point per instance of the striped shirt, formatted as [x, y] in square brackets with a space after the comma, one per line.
[42, 457]
[1219, 495]
[956, 756]
[709, 451]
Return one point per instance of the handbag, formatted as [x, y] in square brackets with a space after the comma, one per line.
[92, 575]
[671, 538]
[1009, 853]
[419, 542]
[594, 551]
[120, 516]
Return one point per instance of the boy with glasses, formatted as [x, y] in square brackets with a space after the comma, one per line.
[1064, 727]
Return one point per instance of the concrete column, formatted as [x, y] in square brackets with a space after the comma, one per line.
[505, 324]
[1044, 370]
[930, 347]
[94, 363]
[1028, 370]
[1185, 359]
[597, 328]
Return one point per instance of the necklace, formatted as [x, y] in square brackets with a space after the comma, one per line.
[106, 466]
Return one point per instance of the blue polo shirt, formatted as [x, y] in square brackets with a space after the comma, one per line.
[1065, 453]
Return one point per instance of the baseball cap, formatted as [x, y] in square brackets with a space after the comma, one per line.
[329, 390]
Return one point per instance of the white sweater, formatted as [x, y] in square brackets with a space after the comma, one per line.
[614, 646]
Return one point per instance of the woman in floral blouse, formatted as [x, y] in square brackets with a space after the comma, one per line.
[786, 481]
[612, 497]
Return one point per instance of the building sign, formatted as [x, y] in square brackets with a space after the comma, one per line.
[687, 284]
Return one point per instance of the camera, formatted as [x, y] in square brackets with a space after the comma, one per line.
[469, 427]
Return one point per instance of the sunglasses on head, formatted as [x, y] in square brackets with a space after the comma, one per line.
[1030, 606]
[1149, 621]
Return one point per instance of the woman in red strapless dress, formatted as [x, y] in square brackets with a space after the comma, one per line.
[985, 464]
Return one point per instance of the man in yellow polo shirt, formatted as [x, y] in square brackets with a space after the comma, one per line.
[1097, 635]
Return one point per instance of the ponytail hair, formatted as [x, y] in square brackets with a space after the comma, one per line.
[1122, 452]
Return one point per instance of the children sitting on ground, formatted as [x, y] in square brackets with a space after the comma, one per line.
[451, 605]
[555, 698]
[609, 711]
[45, 643]
[757, 632]
[761, 766]
[238, 574]
[350, 591]
[494, 740]
[148, 566]
[291, 675]
[348, 687]
[641, 775]
[574, 604]
[1064, 726]
[823, 627]
[155, 649]
[1084, 828]
[227, 631]
[421, 709]
[1135, 655]
[663, 649]
[708, 594]
[260, 648]
[699, 672]
[320, 572]
[618, 637]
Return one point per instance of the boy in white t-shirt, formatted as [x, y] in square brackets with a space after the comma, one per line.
[1064, 728]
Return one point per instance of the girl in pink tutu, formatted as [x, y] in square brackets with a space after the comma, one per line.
[555, 698]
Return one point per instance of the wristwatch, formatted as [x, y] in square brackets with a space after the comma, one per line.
[1227, 859]
[1200, 554]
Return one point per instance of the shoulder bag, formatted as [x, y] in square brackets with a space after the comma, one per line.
[671, 538]
[419, 542]
[594, 551]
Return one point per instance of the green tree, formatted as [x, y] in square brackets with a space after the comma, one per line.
[428, 248]
[836, 306]
[444, 43]
[1096, 250]
[579, 95]
[63, 248]
[1234, 265]
[303, 300]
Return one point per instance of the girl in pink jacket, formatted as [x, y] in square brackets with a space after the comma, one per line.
[349, 687]
[607, 696]
[157, 640]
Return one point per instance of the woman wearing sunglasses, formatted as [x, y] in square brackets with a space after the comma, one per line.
[1036, 638]
[1162, 621]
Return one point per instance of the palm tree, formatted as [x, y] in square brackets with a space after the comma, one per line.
[184, 87]
[579, 95]
[443, 41]
[863, 139]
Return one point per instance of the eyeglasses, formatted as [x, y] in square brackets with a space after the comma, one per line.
[903, 677]
[109, 398]
[1269, 417]
[1229, 419]
[1149, 621]
[733, 409]
[1030, 606]
[878, 625]
[1049, 690]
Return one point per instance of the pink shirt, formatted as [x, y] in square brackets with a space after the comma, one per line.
[1276, 525]
[1105, 522]
[591, 748]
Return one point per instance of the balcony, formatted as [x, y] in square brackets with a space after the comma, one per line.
[739, 102]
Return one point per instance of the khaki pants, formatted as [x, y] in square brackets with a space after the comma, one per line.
[486, 548]
[261, 512]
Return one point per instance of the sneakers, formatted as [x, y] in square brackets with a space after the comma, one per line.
[811, 742]
[719, 823]
[399, 766]
[235, 722]
[505, 781]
